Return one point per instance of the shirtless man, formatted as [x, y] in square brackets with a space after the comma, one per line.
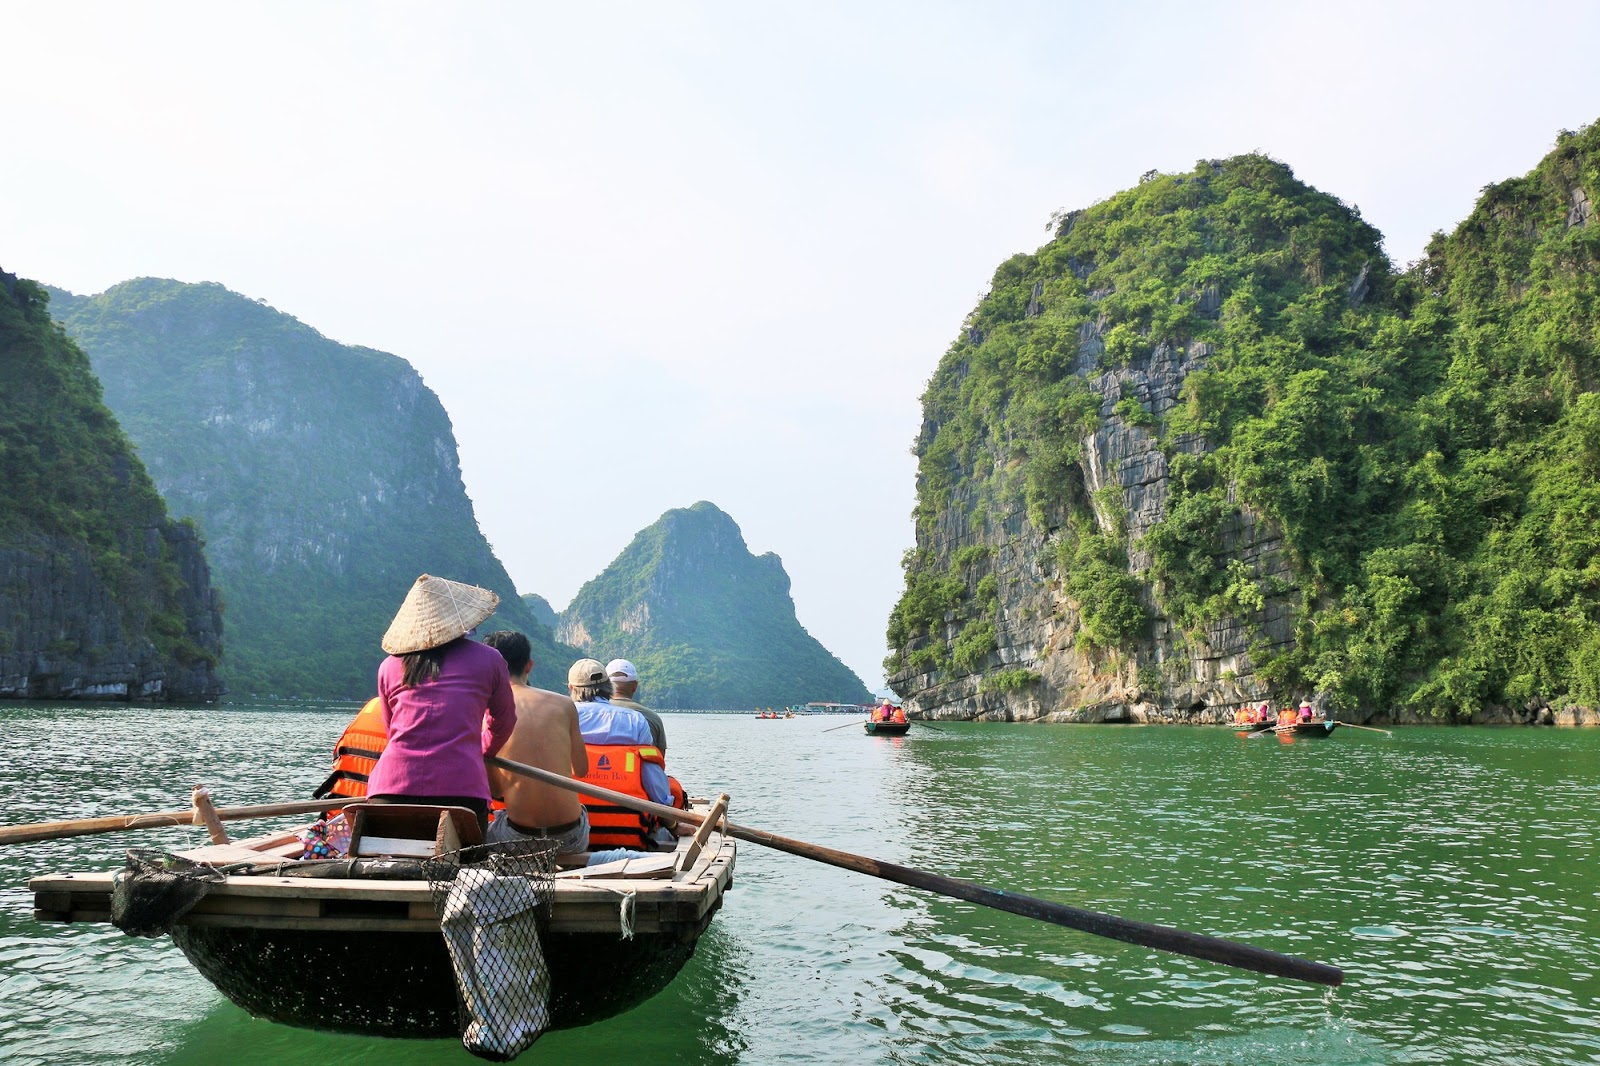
[546, 736]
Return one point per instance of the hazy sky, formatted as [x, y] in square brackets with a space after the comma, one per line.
[665, 252]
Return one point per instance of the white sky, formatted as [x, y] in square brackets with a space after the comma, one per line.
[750, 229]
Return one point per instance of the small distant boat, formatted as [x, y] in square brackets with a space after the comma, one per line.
[1308, 730]
[887, 729]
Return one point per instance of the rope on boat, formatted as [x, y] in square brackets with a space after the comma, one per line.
[626, 907]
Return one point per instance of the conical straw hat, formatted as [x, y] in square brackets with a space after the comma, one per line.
[437, 611]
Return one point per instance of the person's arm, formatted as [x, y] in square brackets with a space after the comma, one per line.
[654, 776]
[502, 716]
[385, 708]
[655, 784]
[580, 753]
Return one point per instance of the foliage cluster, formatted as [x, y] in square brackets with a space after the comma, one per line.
[1427, 443]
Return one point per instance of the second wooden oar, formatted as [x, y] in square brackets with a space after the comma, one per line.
[1164, 938]
[1368, 728]
[22, 834]
[847, 725]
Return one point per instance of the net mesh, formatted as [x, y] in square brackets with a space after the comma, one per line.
[154, 889]
[493, 903]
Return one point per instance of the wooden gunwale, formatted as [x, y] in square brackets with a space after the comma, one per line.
[681, 904]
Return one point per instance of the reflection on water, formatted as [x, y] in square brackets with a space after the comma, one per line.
[1450, 872]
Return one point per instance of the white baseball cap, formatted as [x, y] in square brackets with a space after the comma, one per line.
[622, 669]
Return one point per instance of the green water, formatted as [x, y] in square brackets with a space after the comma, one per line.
[1451, 873]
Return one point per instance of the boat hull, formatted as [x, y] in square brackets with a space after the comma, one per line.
[402, 985]
[359, 950]
[887, 729]
[1308, 730]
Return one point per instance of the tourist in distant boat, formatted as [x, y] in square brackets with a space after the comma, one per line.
[622, 757]
[547, 736]
[433, 690]
[624, 683]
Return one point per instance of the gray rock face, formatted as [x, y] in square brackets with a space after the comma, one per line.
[102, 595]
[1173, 677]
[1580, 211]
[66, 638]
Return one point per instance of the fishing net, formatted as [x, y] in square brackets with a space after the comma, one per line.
[154, 889]
[493, 909]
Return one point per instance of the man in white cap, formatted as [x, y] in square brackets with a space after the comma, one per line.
[624, 683]
[622, 756]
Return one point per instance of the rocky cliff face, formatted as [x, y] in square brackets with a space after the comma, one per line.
[1205, 448]
[1201, 676]
[67, 637]
[324, 477]
[101, 595]
[708, 624]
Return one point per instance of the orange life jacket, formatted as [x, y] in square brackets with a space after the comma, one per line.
[356, 753]
[362, 741]
[619, 767]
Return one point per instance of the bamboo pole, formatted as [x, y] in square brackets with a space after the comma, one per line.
[23, 834]
[1369, 728]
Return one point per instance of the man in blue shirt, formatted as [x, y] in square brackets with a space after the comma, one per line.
[604, 723]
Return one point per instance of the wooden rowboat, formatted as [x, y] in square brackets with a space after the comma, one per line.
[366, 955]
[1308, 730]
[887, 729]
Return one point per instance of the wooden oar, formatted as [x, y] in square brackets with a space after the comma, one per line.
[927, 724]
[847, 725]
[22, 834]
[1369, 728]
[1164, 938]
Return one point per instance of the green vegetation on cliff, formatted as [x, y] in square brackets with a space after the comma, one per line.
[73, 482]
[324, 476]
[1427, 443]
[708, 624]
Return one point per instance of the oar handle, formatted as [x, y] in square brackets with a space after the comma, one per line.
[1164, 938]
[22, 834]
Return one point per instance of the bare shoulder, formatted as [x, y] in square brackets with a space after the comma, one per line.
[542, 702]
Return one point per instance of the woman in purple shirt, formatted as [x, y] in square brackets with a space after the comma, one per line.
[434, 690]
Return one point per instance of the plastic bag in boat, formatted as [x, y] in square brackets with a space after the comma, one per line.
[491, 915]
